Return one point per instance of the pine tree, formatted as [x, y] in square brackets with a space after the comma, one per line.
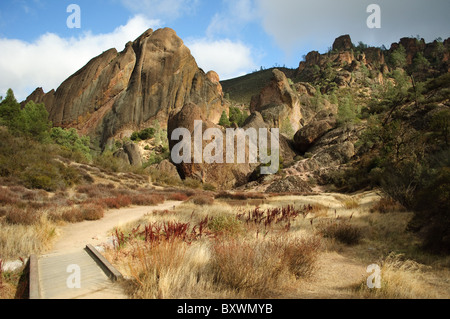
[224, 121]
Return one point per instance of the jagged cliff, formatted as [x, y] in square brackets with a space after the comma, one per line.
[118, 92]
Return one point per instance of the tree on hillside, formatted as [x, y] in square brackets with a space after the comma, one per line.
[33, 121]
[398, 57]
[9, 109]
[237, 116]
[71, 141]
[224, 121]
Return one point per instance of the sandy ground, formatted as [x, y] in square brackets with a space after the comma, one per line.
[97, 233]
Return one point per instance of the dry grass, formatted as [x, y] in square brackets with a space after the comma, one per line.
[341, 230]
[202, 200]
[22, 240]
[402, 279]
[351, 203]
[224, 258]
[387, 205]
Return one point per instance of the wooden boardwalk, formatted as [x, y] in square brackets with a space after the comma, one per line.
[81, 274]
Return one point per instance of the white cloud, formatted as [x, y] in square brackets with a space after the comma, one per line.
[51, 59]
[299, 23]
[235, 14]
[229, 59]
[161, 9]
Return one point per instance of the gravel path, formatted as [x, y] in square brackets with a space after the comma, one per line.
[77, 236]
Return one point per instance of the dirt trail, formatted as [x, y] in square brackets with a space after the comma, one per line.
[334, 279]
[77, 236]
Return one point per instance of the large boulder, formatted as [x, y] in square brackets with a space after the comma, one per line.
[134, 154]
[151, 78]
[305, 138]
[343, 43]
[130, 154]
[290, 184]
[278, 102]
[221, 175]
[333, 149]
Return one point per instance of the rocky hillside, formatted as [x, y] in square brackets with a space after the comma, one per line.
[117, 93]
[323, 108]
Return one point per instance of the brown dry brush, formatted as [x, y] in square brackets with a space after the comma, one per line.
[1, 273]
[258, 267]
[157, 232]
[273, 216]
[341, 230]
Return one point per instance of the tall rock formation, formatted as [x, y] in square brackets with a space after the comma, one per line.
[153, 77]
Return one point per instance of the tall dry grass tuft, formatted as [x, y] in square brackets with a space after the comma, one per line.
[401, 279]
[261, 267]
[169, 269]
[252, 268]
[387, 205]
[351, 203]
[22, 240]
[341, 230]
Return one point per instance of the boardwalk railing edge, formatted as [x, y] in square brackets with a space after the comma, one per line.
[109, 269]
[34, 289]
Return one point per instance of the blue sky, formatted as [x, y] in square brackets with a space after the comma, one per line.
[232, 37]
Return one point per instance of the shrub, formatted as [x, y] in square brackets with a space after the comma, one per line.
[70, 141]
[143, 135]
[249, 267]
[147, 199]
[202, 200]
[299, 255]
[117, 202]
[178, 197]
[92, 212]
[7, 197]
[209, 187]
[341, 231]
[72, 215]
[192, 183]
[19, 216]
[351, 203]
[227, 225]
[387, 205]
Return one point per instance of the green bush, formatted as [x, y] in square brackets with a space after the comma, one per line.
[143, 135]
[31, 121]
[71, 143]
[227, 225]
[224, 121]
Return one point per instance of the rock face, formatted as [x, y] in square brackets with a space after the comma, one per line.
[151, 78]
[329, 152]
[309, 134]
[221, 175]
[290, 184]
[278, 102]
[130, 154]
[343, 43]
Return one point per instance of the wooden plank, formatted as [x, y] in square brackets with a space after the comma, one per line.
[34, 292]
[111, 271]
[95, 276]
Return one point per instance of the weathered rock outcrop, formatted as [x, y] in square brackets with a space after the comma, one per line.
[152, 77]
[343, 43]
[290, 184]
[130, 154]
[278, 102]
[309, 134]
[221, 175]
